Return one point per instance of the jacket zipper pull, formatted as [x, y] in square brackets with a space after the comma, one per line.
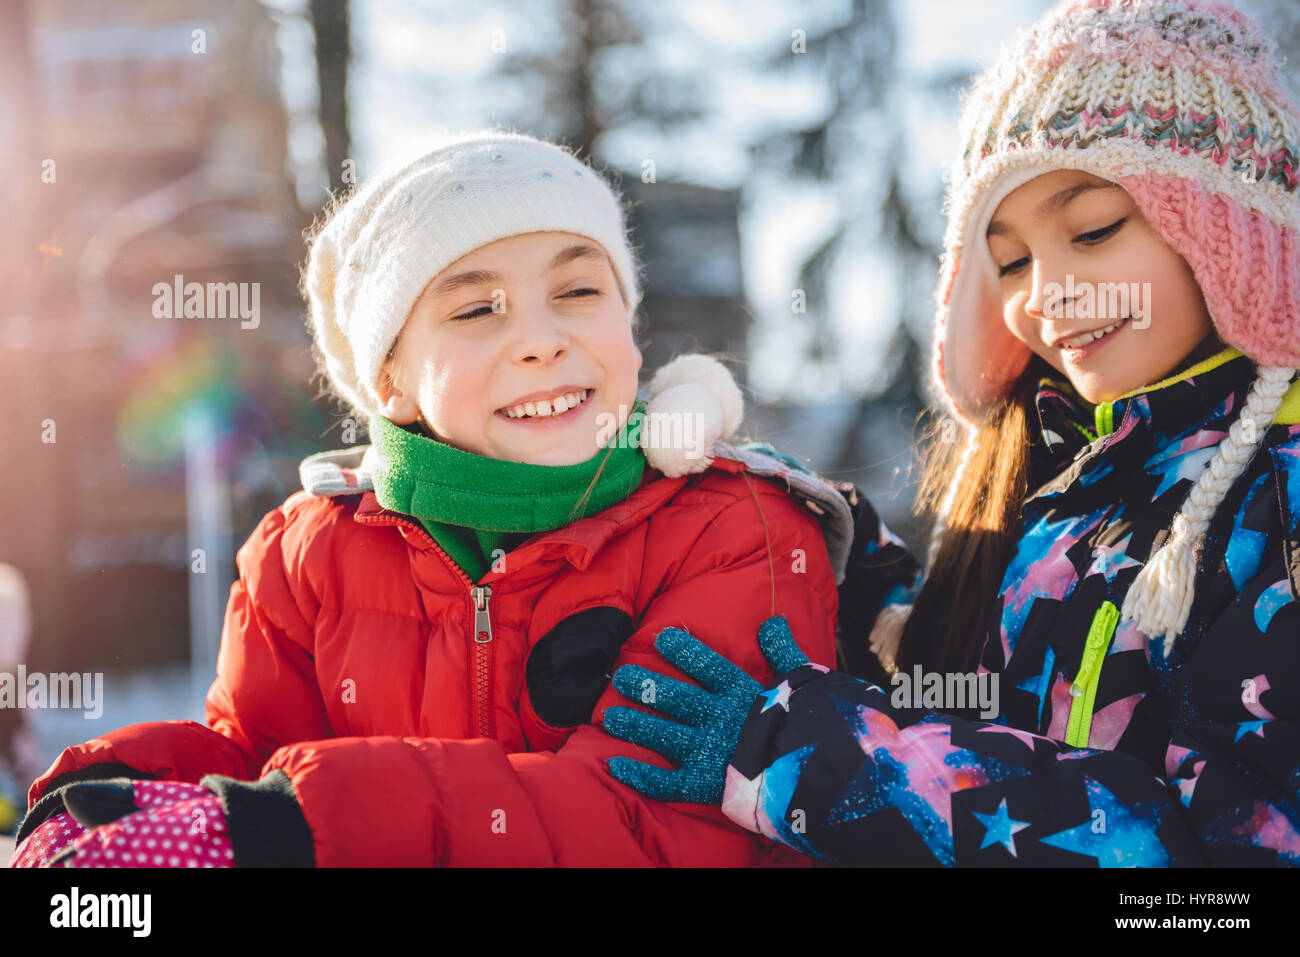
[1084, 687]
[1086, 666]
[482, 623]
[1081, 679]
[1103, 624]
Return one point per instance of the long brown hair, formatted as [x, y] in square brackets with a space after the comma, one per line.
[950, 616]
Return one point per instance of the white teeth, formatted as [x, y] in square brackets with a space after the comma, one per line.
[548, 407]
[1081, 340]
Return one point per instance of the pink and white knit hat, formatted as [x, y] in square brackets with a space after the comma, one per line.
[1182, 104]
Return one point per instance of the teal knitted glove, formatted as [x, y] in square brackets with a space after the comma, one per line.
[708, 723]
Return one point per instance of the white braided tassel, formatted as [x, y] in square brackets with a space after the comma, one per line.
[885, 634]
[1160, 598]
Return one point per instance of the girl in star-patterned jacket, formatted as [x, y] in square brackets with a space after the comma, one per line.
[1101, 664]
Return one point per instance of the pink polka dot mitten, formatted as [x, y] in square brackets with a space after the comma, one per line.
[222, 822]
[54, 835]
[146, 824]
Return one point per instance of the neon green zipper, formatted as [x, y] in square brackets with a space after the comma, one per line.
[1084, 688]
[1104, 418]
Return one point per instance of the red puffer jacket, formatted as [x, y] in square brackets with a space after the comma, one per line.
[421, 730]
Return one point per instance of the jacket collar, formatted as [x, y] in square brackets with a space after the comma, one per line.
[342, 472]
[443, 485]
[1065, 425]
[578, 541]
[1170, 409]
[1177, 405]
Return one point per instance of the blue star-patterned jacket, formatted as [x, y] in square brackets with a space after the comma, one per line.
[1192, 759]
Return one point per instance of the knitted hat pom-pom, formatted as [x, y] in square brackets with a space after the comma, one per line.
[693, 403]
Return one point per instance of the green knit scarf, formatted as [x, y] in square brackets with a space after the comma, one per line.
[472, 505]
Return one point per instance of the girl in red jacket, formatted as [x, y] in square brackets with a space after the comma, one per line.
[418, 641]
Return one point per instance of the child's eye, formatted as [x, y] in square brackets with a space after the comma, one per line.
[1012, 267]
[1099, 234]
[1090, 239]
[474, 313]
[585, 291]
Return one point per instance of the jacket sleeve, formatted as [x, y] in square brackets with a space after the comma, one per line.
[264, 693]
[469, 803]
[880, 572]
[853, 774]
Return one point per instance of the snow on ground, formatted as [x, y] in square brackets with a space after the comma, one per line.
[161, 694]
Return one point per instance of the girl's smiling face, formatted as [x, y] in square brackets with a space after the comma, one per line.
[525, 319]
[1069, 234]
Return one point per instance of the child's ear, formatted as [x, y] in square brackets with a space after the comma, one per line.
[394, 404]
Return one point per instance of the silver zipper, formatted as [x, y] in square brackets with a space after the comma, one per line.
[482, 623]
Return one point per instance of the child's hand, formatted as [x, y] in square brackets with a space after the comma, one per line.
[61, 829]
[711, 720]
[94, 803]
[176, 824]
[146, 824]
[52, 836]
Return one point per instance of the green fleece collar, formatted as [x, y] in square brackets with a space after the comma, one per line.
[473, 505]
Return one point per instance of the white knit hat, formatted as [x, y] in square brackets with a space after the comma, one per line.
[374, 256]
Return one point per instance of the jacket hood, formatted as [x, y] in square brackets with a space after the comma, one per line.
[350, 471]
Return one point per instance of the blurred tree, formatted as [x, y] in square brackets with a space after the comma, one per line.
[577, 71]
[851, 54]
[19, 250]
[851, 51]
[330, 25]
[591, 66]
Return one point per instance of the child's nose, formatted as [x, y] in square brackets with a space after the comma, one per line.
[538, 335]
[1047, 293]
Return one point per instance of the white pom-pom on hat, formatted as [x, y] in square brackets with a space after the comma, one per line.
[693, 402]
